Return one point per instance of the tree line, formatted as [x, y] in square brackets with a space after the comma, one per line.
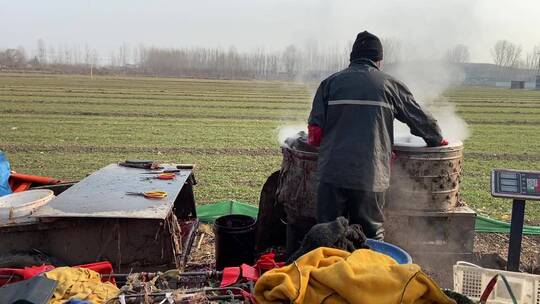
[308, 61]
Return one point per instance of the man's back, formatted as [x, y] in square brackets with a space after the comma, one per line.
[353, 111]
[358, 125]
[356, 108]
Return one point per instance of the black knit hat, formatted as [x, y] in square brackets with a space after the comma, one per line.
[367, 46]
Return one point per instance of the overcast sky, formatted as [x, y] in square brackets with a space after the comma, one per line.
[430, 26]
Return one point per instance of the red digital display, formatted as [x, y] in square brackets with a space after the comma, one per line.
[533, 185]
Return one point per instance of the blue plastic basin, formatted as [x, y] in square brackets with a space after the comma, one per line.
[401, 256]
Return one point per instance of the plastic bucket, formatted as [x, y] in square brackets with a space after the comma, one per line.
[22, 204]
[401, 256]
[235, 240]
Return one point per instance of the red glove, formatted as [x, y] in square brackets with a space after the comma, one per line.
[444, 142]
[315, 134]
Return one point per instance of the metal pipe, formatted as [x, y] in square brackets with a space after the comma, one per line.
[150, 275]
[192, 292]
[9, 276]
[208, 273]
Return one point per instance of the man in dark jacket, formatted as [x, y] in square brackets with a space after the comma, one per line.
[352, 119]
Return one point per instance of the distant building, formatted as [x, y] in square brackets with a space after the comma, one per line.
[508, 84]
[517, 84]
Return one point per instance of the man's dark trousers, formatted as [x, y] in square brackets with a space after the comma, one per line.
[360, 207]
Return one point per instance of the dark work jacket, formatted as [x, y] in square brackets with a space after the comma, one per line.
[356, 108]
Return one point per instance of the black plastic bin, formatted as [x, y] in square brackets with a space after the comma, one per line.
[235, 240]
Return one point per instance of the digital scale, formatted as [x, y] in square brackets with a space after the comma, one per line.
[519, 186]
[515, 184]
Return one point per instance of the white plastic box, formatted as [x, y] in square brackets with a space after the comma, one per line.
[471, 281]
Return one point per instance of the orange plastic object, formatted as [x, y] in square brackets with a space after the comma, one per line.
[44, 180]
[21, 182]
[22, 274]
[21, 187]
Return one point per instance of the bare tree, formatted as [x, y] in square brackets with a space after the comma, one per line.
[76, 57]
[113, 59]
[458, 54]
[310, 59]
[60, 55]
[290, 61]
[532, 59]
[314, 62]
[392, 49]
[87, 54]
[51, 53]
[499, 52]
[124, 54]
[68, 55]
[41, 52]
[506, 53]
[13, 58]
[22, 56]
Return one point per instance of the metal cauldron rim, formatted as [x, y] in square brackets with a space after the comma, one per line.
[451, 147]
[285, 147]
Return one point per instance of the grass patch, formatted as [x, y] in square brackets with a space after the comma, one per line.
[69, 126]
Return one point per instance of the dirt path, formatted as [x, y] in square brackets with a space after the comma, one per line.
[486, 243]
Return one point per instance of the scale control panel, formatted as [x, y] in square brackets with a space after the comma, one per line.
[515, 184]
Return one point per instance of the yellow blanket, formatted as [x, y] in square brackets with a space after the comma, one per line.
[80, 283]
[327, 275]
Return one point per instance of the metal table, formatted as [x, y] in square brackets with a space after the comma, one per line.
[103, 194]
[94, 220]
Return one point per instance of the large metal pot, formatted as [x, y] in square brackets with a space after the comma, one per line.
[426, 178]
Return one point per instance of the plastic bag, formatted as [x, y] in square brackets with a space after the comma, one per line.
[4, 175]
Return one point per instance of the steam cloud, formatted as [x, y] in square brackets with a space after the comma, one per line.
[287, 131]
[428, 81]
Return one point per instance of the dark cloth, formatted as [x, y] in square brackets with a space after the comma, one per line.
[271, 230]
[335, 234]
[36, 290]
[459, 298]
[297, 229]
[356, 109]
[367, 46]
[364, 208]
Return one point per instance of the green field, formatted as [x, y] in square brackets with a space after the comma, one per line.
[69, 126]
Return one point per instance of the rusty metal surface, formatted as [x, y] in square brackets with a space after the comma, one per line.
[189, 232]
[129, 244]
[103, 194]
[426, 178]
[297, 187]
[451, 231]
